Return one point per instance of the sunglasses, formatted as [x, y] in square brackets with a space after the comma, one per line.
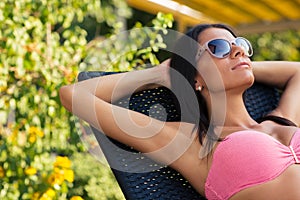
[221, 48]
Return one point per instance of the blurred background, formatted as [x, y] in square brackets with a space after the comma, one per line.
[44, 44]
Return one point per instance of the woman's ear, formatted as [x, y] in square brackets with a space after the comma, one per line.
[198, 86]
[199, 83]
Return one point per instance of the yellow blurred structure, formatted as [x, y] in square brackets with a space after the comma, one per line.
[246, 16]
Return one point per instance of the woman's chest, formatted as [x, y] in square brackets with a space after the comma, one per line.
[282, 134]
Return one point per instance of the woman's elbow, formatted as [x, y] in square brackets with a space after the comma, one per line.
[65, 96]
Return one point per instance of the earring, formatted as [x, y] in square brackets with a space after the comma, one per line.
[200, 88]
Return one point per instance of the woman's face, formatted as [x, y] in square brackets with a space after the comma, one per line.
[230, 73]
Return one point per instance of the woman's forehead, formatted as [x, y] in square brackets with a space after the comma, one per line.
[213, 33]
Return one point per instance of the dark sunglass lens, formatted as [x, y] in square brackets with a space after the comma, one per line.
[241, 42]
[219, 48]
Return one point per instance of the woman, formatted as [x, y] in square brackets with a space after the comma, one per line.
[243, 159]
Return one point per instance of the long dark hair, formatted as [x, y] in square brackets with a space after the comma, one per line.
[184, 63]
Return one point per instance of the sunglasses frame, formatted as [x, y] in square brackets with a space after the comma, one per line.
[205, 47]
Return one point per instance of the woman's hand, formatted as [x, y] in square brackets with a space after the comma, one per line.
[164, 69]
[275, 73]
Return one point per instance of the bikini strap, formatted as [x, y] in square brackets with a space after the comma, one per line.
[277, 119]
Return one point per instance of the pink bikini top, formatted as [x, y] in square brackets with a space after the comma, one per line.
[247, 158]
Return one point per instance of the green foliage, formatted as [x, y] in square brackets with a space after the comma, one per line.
[29, 172]
[94, 180]
[40, 52]
[283, 45]
[42, 43]
[128, 50]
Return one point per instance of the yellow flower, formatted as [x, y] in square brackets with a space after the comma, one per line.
[36, 131]
[48, 195]
[35, 196]
[30, 171]
[33, 133]
[3, 88]
[51, 179]
[65, 174]
[40, 133]
[76, 198]
[2, 172]
[62, 161]
[13, 137]
[50, 192]
[69, 175]
[32, 138]
[56, 179]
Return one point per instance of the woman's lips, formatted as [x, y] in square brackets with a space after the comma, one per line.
[241, 65]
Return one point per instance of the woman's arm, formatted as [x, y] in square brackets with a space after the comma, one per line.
[90, 101]
[286, 76]
[164, 141]
[113, 87]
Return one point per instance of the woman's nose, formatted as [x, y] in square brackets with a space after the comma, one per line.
[237, 51]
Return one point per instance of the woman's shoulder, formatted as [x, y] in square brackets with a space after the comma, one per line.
[277, 119]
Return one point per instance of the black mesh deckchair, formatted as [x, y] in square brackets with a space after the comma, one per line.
[139, 177]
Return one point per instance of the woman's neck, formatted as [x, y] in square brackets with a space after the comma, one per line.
[228, 110]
